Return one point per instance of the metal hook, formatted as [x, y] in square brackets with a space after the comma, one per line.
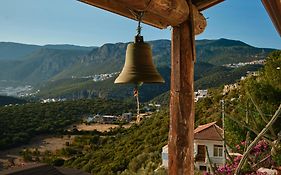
[138, 15]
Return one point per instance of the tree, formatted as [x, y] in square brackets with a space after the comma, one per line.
[272, 69]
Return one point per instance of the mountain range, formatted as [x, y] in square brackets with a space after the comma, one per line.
[51, 68]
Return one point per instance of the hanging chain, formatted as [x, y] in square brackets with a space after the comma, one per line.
[139, 16]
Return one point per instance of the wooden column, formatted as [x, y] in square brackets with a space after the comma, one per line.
[180, 146]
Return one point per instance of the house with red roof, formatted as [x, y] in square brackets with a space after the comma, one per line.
[207, 140]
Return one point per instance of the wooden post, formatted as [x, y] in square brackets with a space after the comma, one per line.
[180, 146]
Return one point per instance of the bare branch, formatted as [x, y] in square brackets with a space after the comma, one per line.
[259, 136]
[210, 161]
[262, 115]
[246, 126]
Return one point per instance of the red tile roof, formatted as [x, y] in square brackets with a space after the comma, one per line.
[209, 131]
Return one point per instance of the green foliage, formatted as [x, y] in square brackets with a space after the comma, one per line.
[222, 75]
[277, 156]
[72, 88]
[206, 76]
[19, 123]
[136, 149]
[26, 155]
[272, 70]
[6, 100]
[143, 160]
[57, 162]
[223, 51]
[263, 90]
[209, 109]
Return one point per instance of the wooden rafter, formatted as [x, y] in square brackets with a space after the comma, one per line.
[158, 13]
[205, 4]
[273, 8]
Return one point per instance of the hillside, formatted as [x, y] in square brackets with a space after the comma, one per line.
[137, 150]
[19, 123]
[87, 88]
[15, 51]
[206, 76]
[222, 75]
[225, 51]
[51, 68]
[110, 58]
[40, 65]
[6, 100]
[264, 90]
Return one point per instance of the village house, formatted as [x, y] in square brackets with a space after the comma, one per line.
[127, 117]
[106, 119]
[206, 137]
[200, 94]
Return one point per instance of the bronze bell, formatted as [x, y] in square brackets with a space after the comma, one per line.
[139, 67]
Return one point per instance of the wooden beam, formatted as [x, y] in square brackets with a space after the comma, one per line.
[180, 146]
[200, 22]
[115, 6]
[158, 13]
[205, 4]
[273, 8]
[173, 11]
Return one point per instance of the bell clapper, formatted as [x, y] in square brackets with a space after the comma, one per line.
[136, 94]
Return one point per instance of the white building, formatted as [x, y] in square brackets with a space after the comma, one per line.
[205, 136]
[208, 136]
[200, 94]
[165, 156]
[126, 117]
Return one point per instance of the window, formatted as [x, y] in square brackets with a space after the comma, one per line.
[218, 150]
[201, 153]
[202, 168]
[165, 156]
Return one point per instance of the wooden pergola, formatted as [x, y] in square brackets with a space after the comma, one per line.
[186, 20]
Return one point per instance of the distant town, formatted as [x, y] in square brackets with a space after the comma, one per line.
[27, 90]
[98, 77]
[19, 91]
[240, 64]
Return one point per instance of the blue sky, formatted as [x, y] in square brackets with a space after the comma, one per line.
[72, 22]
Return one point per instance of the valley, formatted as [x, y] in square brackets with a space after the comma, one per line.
[56, 88]
[11, 158]
[75, 72]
